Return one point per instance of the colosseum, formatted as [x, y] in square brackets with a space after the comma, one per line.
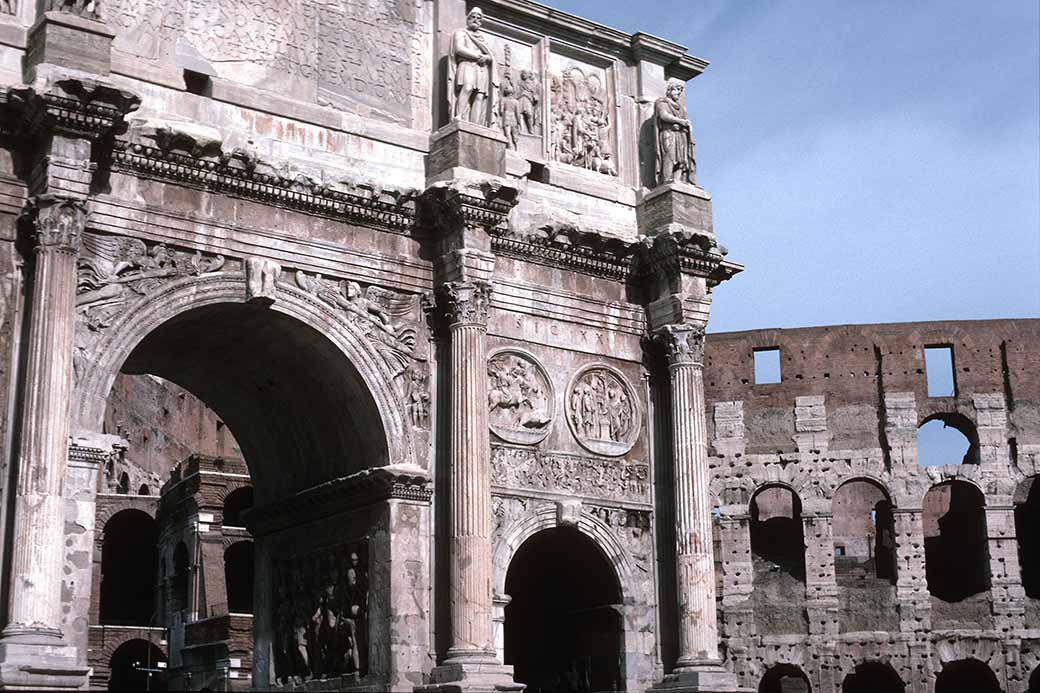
[360, 345]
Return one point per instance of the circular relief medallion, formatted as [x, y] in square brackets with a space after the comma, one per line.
[521, 401]
[602, 411]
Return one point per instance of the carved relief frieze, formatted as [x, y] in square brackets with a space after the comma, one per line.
[521, 400]
[390, 320]
[603, 411]
[321, 614]
[576, 475]
[112, 271]
[581, 127]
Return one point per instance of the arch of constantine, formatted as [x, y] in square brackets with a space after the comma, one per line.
[360, 345]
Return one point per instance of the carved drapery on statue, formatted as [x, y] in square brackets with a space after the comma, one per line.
[603, 412]
[321, 614]
[675, 147]
[388, 319]
[521, 402]
[580, 128]
[472, 74]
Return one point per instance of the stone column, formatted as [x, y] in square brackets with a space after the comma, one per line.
[39, 510]
[472, 659]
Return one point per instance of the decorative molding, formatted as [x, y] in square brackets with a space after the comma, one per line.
[78, 107]
[467, 302]
[683, 345]
[568, 247]
[392, 211]
[369, 486]
[451, 206]
[59, 223]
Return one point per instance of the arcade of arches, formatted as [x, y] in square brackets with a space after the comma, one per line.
[314, 383]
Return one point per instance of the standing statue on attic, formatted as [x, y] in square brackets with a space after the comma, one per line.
[675, 155]
[472, 74]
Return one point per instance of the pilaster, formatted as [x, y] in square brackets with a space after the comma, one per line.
[821, 588]
[911, 585]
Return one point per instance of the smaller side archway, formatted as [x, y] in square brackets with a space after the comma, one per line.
[238, 577]
[784, 678]
[563, 625]
[955, 543]
[966, 676]
[1027, 528]
[130, 664]
[873, 677]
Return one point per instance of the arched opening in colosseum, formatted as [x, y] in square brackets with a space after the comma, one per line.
[1027, 528]
[137, 665]
[873, 677]
[784, 678]
[563, 625]
[235, 505]
[864, 533]
[778, 560]
[966, 676]
[128, 569]
[238, 577]
[144, 490]
[947, 438]
[956, 549]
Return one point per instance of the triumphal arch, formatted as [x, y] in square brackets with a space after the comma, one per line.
[442, 268]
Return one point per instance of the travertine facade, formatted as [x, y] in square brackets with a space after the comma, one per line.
[395, 311]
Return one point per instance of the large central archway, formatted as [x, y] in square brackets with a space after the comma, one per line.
[563, 625]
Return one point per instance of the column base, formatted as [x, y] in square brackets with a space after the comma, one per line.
[39, 663]
[477, 675]
[701, 678]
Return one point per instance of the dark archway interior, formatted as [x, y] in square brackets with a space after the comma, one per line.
[873, 677]
[966, 676]
[238, 576]
[563, 631]
[124, 484]
[1034, 681]
[784, 678]
[777, 534]
[296, 405]
[1027, 527]
[130, 664]
[144, 490]
[955, 545]
[128, 569]
[236, 503]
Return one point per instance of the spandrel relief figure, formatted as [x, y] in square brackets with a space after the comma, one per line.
[520, 398]
[510, 116]
[530, 102]
[675, 146]
[472, 74]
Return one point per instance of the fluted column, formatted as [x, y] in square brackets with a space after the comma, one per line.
[469, 480]
[39, 510]
[694, 556]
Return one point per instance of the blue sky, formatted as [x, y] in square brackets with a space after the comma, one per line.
[869, 161]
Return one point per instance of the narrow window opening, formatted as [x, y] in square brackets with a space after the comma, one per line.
[938, 363]
[767, 366]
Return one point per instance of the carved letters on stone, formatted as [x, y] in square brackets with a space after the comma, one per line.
[389, 319]
[521, 401]
[321, 614]
[589, 477]
[581, 126]
[113, 270]
[602, 411]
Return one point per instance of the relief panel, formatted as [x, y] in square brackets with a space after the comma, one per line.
[603, 411]
[575, 475]
[583, 115]
[521, 400]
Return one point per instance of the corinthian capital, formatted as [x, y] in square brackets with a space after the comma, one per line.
[683, 344]
[59, 223]
[467, 301]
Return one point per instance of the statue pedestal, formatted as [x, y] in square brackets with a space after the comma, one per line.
[70, 41]
[39, 663]
[711, 678]
[461, 144]
[471, 677]
[680, 204]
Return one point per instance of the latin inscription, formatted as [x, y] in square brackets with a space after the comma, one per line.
[357, 48]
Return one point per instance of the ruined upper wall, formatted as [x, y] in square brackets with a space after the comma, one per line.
[853, 366]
